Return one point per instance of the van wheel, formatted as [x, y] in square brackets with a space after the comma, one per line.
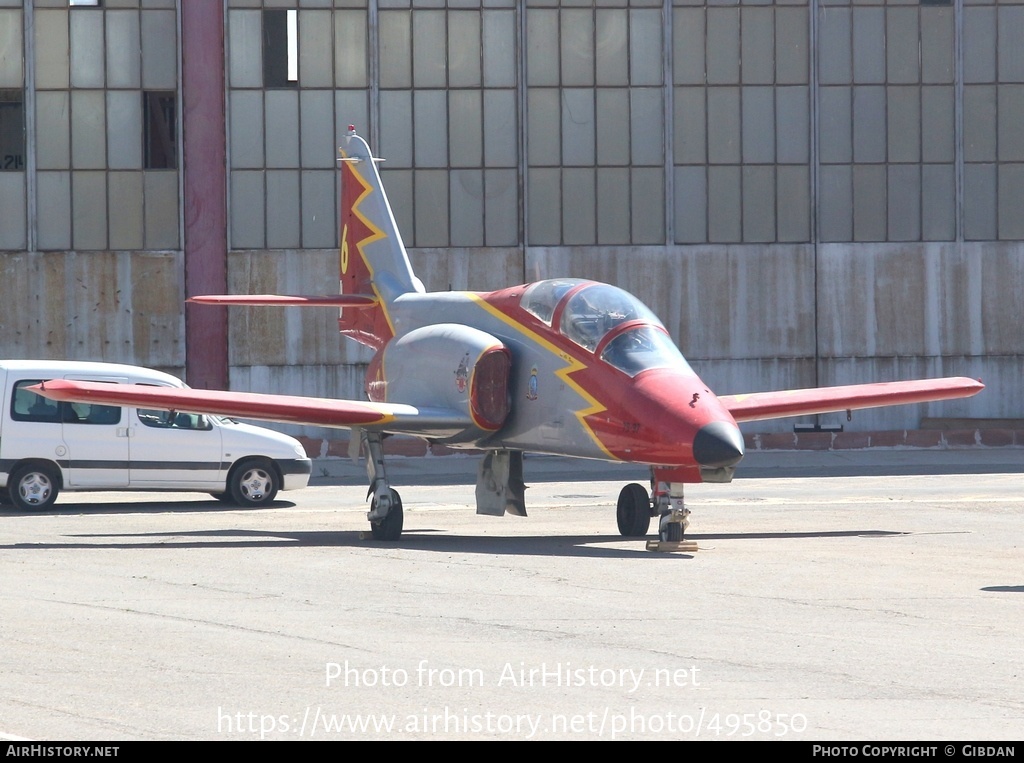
[32, 487]
[253, 483]
[5, 497]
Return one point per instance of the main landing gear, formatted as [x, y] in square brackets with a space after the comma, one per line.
[636, 507]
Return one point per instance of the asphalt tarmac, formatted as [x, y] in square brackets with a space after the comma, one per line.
[849, 596]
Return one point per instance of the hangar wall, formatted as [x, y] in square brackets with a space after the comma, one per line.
[806, 192]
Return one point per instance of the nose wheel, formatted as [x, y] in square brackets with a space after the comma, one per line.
[633, 511]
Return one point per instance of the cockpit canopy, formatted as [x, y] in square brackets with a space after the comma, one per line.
[604, 318]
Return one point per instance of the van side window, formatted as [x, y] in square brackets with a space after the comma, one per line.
[28, 406]
[173, 420]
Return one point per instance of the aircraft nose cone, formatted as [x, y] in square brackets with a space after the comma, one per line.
[718, 444]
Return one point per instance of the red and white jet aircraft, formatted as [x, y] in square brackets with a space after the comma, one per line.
[565, 366]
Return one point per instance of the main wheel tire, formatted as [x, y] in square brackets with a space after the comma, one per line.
[633, 511]
[33, 487]
[672, 532]
[5, 497]
[253, 483]
[389, 528]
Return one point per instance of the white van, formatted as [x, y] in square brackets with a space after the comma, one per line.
[47, 447]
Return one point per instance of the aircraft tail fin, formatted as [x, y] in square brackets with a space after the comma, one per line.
[372, 257]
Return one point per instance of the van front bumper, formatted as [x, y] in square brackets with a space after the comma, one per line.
[294, 472]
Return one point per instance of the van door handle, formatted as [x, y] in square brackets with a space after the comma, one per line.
[124, 431]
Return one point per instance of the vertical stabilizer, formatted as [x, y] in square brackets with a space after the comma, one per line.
[372, 256]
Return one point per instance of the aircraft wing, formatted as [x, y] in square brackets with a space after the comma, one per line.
[799, 402]
[287, 300]
[384, 417]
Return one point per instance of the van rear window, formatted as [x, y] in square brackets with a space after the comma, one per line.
[28, 406]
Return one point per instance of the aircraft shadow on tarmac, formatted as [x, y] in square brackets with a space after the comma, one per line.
[577, 546]
[1004, 588]
[135, 507]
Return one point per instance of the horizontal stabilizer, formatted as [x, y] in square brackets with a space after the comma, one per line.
[334, 300]
[800, 402]
[381, 417]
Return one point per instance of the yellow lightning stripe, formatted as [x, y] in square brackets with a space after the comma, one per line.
[376, 235]
[565, 374]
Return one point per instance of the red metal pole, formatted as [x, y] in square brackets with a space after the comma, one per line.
[205, 190]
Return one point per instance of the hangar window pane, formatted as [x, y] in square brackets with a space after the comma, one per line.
[54, 209]
[612, 112]
[281, 126]
[464, 49]
[350, 49]
[501, 209]
[577, 47]
[88, 130]
[12, 131]
[467, 207]
[161, 209]
[758, 204]
[87, 49]
[691, 205]
[12, 202]
[317, 129]
[315, 44]
[758, 132]
[280, 48]
[647, 119]
[395, 32]
[793, 203]
[499, 52]
[938, 202]
[645, 47]
[542, 50]
[429, 49]
[836, 207]
[124, 129]
[544, 195]
[159, 125]
[613, 211]
[430, 208]
[51, 48]
[126, 226]
[501, 147]
[465, 119]
[647, 205]
[869, 203]
[159, 50]
[579, 225]
[89, 209]
[904, 202]
[283, 204]
[612, 30]
[11, 53]
[319, 221]
[979, 202]
[123, 41]
[578, 127]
